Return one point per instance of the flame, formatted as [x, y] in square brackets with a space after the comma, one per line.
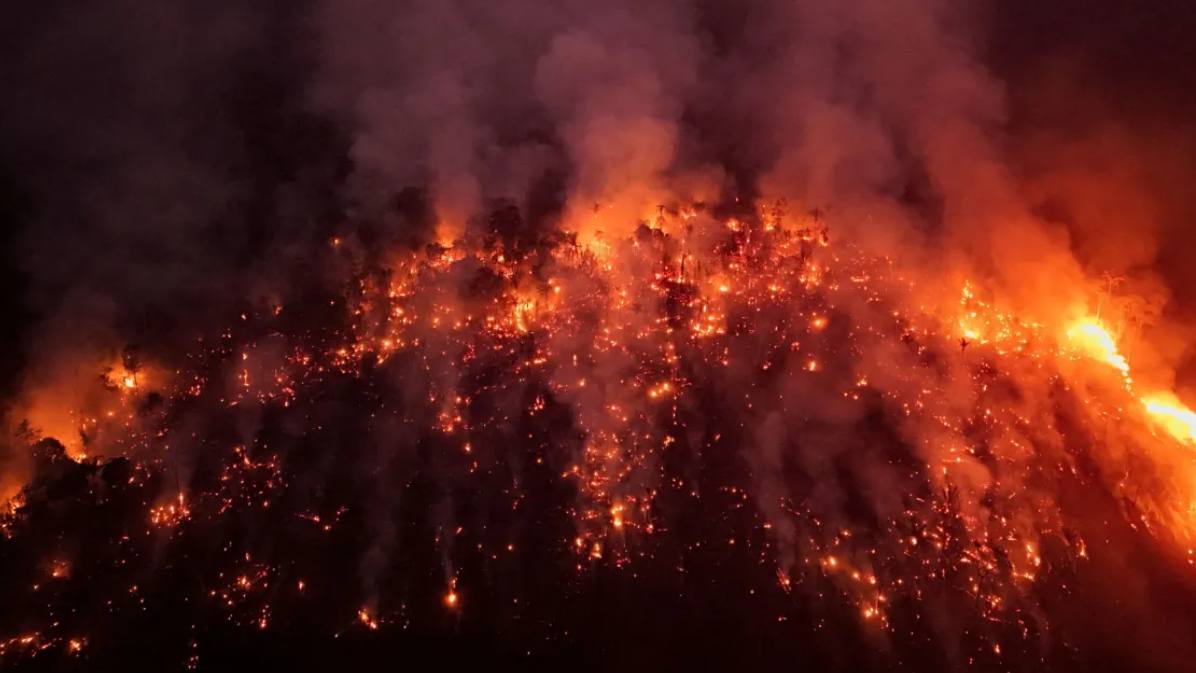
[1096, 340]
[364, 616]
[1179, 420]
[1173, 415]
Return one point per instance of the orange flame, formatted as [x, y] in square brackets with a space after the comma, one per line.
[1179, 420]
[1095, 339]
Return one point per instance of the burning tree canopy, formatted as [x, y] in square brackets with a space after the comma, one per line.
[693, 334]
[453, 418]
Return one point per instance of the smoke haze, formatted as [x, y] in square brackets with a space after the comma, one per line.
[165, 150]
[172, 164]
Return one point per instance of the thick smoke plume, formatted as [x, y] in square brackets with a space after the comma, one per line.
[207, 146]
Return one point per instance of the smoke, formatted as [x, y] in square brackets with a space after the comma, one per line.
[889, 116]
[1102, 133]
[886, 115]
[135, 135]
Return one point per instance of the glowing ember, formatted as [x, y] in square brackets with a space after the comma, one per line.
[617, 371]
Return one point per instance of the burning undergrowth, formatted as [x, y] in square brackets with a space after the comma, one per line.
[443, 437]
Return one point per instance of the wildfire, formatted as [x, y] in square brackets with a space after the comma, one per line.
[172, 514]
[608, 363]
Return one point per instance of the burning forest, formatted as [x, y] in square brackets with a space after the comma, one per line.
[546, 340]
